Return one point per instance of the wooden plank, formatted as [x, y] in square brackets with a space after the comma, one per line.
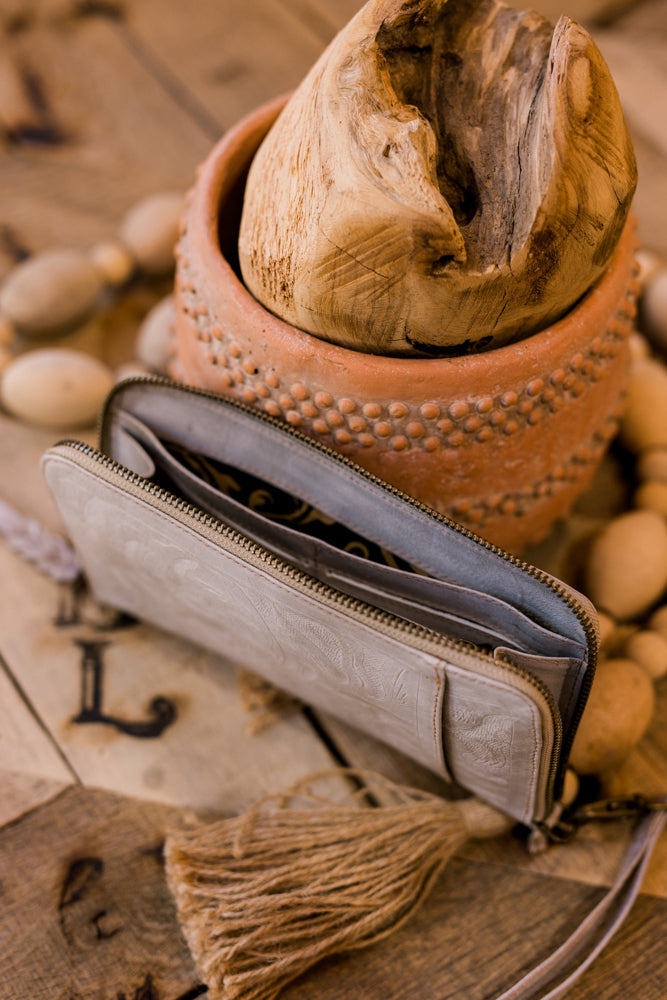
[483, 928]
[326, 16]
[22, 484]
[650, 203]
[644, 19]
[332, 15]
[25, 746]
[357, 749]
[231, 57]
[639, 69]
[107, 147]
[592, 858]
[638, 65]
[20, 793]
[191, 748]
[86, 911]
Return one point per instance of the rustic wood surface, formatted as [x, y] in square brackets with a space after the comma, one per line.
[101, 103]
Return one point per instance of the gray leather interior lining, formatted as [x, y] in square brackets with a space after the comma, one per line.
[470, 615]
[298, 466]
[456, 607]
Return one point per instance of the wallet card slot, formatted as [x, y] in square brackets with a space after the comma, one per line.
[224, 431]
[438, 605]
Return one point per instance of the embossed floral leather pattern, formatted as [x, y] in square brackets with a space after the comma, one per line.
[472, 665]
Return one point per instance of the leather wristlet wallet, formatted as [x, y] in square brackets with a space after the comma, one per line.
[217, 522]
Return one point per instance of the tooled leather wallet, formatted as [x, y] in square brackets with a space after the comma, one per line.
[226, 526]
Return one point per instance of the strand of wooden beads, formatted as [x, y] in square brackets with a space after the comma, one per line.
[626, 568]
[53, 295]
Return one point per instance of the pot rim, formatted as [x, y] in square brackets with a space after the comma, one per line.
[218, 174]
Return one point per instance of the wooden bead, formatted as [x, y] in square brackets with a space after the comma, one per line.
[647, 264]
[654, 309]
[639, 347]
[150, 232]
[658, 620]
[632, 776]
[649, 650]
[17, 110]
[644, 421]
[627, 564]
[154, 337]
[50, 292]
[55, 387]
[113, 262]
[570, 787]
[653, 496]
[618, 713]
[607, 627]
[652, 465]
[129, 370]
[7, 332]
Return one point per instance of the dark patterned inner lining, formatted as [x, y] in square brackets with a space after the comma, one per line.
[277, 505]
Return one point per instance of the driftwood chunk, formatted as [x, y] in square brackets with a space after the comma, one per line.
[450, 176]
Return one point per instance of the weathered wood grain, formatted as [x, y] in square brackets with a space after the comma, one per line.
[481, 929]
[166, 722]
[115, 136]
[428, 189]
[21, 792]
[231, 57]
[140, 102]
[25, 745]
[86, 912]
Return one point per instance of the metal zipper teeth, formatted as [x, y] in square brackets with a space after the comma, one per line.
[422, 637]
[275, 562]
[562, 592]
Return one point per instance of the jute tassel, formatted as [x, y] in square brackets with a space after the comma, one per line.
[263, 896]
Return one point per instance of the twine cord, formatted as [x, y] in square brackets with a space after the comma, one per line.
[263, 896]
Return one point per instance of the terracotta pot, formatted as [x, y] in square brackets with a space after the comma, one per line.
[502, 441]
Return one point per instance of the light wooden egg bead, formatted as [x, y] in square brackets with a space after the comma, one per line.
[626, 572]
[618, 713]
[55, 296]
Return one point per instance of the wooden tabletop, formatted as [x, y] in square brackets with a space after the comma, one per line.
[102, 102]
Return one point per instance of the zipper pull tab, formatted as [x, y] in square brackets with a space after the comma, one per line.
[602, 811]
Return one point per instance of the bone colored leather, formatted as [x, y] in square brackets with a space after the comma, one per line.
[216, 426]
[175, 571]
[295, 463]
[417, 598]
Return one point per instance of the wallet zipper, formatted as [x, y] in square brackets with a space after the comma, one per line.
[421, 638]
[565, 594]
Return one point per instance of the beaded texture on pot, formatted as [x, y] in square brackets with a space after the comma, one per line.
[429, 426]
[504, 441]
